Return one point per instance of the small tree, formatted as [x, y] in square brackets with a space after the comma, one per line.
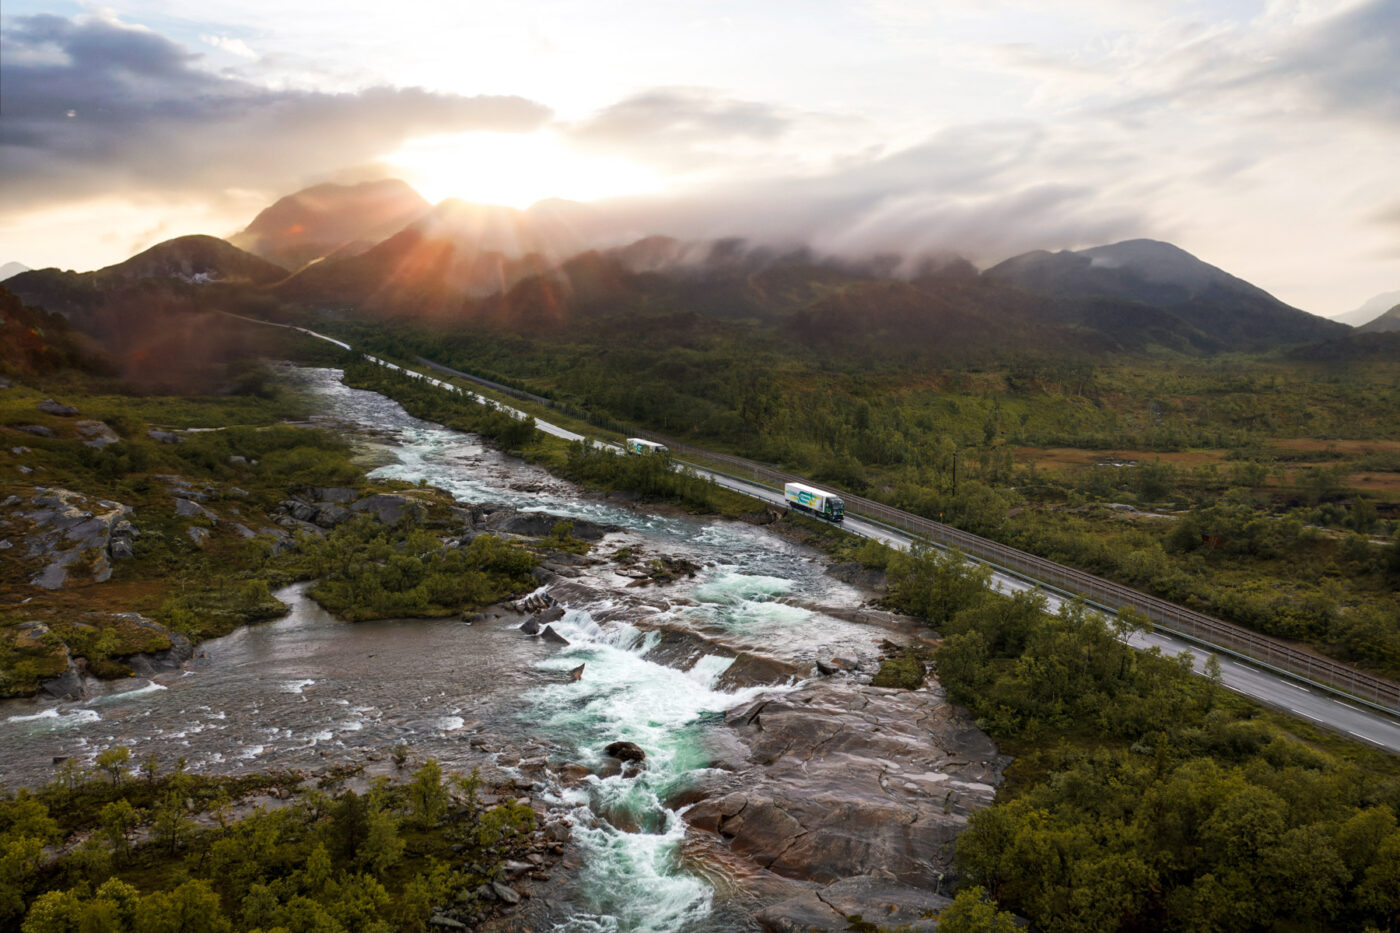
[119, 818]
[150, 768]
[171, 825]
[113, 761]
[427, 794]
[972, 912]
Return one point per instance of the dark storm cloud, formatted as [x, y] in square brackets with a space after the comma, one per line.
[91, 106]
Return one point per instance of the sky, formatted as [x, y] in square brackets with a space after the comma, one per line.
[1259, 136]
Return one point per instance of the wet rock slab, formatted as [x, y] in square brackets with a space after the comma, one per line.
[836, 781]
[873, 900]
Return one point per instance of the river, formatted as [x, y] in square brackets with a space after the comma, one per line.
[308, 691]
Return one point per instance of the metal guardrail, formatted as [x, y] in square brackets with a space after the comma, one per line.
[1197, 626]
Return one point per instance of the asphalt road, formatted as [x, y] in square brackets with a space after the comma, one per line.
[1276, 690]
[1272, 689]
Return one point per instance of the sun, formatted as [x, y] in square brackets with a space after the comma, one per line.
[514, 169]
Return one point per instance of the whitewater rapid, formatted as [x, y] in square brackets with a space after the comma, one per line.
[308, 690]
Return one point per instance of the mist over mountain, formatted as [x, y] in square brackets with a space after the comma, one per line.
[12, 269]
[1371, 309]
[330, 219]
[551, 267]
[1388, 322]
[455, 251]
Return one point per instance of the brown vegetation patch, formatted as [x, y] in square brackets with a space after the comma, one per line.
[1342, 447]
[1061, 457]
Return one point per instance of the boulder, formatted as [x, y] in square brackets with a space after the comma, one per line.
[530, 626]
[187, 509]
[535, 602]
[387, 508]
[550, 635]
[577, 673]
[541, 524]
[338, 494]
[69, 685]
[49, 407]
[330, 515]
[750, 669]
[38, 430]
[164, 437]
[96, 434]
[625, 751]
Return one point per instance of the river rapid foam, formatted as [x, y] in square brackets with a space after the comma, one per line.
[308, 690]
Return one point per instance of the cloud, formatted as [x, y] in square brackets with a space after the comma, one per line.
[1349, 62]
[147, 120]
[231, 45]
[680, 128]
[983, 191]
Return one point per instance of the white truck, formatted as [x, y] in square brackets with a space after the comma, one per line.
[814, 501]
[638, 445]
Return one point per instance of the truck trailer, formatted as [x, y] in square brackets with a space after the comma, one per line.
[637, 445]
[813, 501]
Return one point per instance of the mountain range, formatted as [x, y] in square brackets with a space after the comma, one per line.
[328, 220]
[1369, 310]
[10, 269]
[379, 250]
[1386, 323]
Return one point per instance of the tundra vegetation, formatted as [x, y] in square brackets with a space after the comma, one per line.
[166, 850]
[1262, 489]
[1143, 796]
[238, 455]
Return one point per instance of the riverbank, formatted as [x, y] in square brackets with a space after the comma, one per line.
[672, 619]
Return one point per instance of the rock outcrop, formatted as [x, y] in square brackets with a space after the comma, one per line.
[95, 434]
[872, 899]
[323, 507]
[541, 524]
[838, 780]
[625, 751]
[70, 531]
[49, 407]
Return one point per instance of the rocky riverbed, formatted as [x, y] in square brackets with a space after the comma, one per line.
[766, 795]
